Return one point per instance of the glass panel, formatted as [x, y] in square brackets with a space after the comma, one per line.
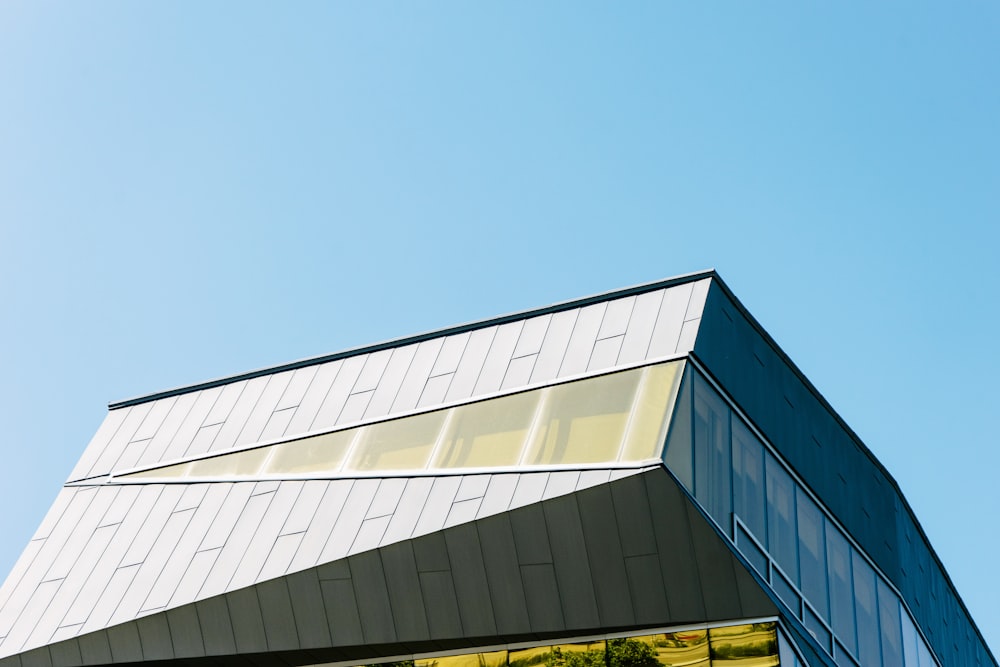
[838, 553]
[491, 659]
[816, 628]
[645, 435]
[490, 433]
[240, 463]
[751, 551]
[634, 651]
[788, 656]
[889, 622]
[677, 455]
[926, 659]
[865, 611]
[712, 459]
[911, 641]
[560, 655]
[684, 648]
[748, 480]
[812, 553]
[782, 538]
[401, 444]
[786, 592]
[178, 470]
[584, 422]
[752, 644]
[323, 453]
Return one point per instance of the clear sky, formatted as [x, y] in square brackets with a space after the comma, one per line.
[192, 189]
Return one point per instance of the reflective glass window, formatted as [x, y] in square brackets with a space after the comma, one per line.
[911, 641]
[782, 534]
[712, 458]
[812, 553]
[689, 647]
[866, 611]
[838, 553]
[400, 444]
[889, 624]
[317, 454]
[589, 654]
[678, 453]
[650, 411]
[753, 644]
[489, 433]
[490, 659]
[749, 502]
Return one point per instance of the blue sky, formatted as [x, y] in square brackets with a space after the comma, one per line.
[189, 190]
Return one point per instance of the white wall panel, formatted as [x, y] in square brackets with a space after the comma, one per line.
[112, 422]
[408, 509]
[262, 411]
[392, 378]
[438, 504]
[498, 358]
[315, 396]
[301, 514]
[640, 327]
[452, 351]
[581, 342]
[350, 519]
[375, 366]
[416, 375]
[605, 354]
[192, 423]
[237, 544]
[532, 335]
[519, 372]
[561, 483]
[436, 390]
[467, 373]
[667, 329]
[157, 447]
[499, 493]
[240, 414]
[339, 392]
[121, 438]
[616, 318]
[296, 388]
[154, 418]
[280, 557]
[225, 403]
[553, 350]
[155, 520]
[322, 524]
[265, 535]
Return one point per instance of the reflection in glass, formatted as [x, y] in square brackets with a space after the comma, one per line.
[678, 454]
[838, 553]
[491, 659]
[753, 644]
[812, 553]
[865, 609]
[889, 622]
[748, 480]
[712, 458]
[618, 417]
[782, 538]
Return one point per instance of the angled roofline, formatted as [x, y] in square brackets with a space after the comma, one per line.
[427, 335]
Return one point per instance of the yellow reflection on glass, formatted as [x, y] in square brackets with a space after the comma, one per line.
[751, 645]
[489, 433]
[654, 402]
[400, 444]
[590, 654]
[688, 648]
[239, 463]
[322, 453]
[491, 659]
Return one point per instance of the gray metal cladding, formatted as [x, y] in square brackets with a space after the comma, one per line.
[367, 386]
[504, 578]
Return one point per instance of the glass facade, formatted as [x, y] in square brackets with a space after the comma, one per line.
[791, 541]
[616, 418]
[745, 645]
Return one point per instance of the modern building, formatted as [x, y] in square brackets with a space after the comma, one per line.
[633, 479]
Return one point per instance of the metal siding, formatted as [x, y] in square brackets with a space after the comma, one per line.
[350, 520]
[435, 390]
[519, 372]
[81, 534]
[276, 611]
[191, 424]
[389, 384]
[581, 342]
[308, 609]
[116, 445]
[472, 486]
[689, 334]
[112, 422]
[437, 506]
[339, 392]
[22, 565]
[699, 294]
[342, 612]
[152, 526]
[277, 424]
[236, 546]
[441, 605]
[571, 566]
[156, 450]
[405, 598]
[192, 497]
[604, 553]
[227, 516]
[195, 576]
[372, 596]
[541, 594]
[54, 515]
[354, 408]
[560, 483]
[374, 368]
[131, 454]
[37, 658]
[302, 512]
[125, 643]
[667, 329]
[416, 376]
[105, 605]
[248, 624]
[30, 615]
[471, 365]
[682, 580]
[640, 327]
[503, 574]
[557, 336]
[646, 587]
[532, 335]
[471, 585]
[530, 487]
[280, 557]
[265, 535]
[452, 349]
[616, 318]
[498, 358]
[716, 565]
[203, 439]
[314, 397]
[322, 523]
[589, 478]
[387, 498]
[462, 512]
[225, 403]
[95, 648]
[370, 534]
[635, 523]
[407, 512]
[296, 388]
[185, 632]
[154, 636]
[498, 494]
[216, 626]
[66, 653]
[530, 535]
[154, 418]
[263, 408]
[605, 354]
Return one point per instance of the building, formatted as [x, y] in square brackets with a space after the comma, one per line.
[636, 478]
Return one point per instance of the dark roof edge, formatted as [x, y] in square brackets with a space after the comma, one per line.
[857, 439]
[420, 337]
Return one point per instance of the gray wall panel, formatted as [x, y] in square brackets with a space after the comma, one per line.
[640, 327]
[550, 356]
[216, 626]
[542, 597]
[342, 612]
[240, 414]
[405, 597]
[247, 622]
[635, 524]
[616, 318]
[416, 375]
[125, 643]
[263, 408]
[322, 524]
[572, 567]
[530, 535]
[431, 553]
[498, 358]
[296, 388]
[581, 342]
[471, 365]
[95, 648]
[441, 605]
[112, 422]
[154, 636]
[681, 578]
[67, 653]
[350, 519]
[503, 574]
[667, 330]
[315, 396]
[532, 335]
[185, 632]
[372, 596]
[716, 565]
[37, 658]
[604, 552]
[276, 611]
[646, 589]
[265, 535]
[452, 350]
[392, 379]
[469, 575]
[339, 392]
[308, 609]
[157, 447]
